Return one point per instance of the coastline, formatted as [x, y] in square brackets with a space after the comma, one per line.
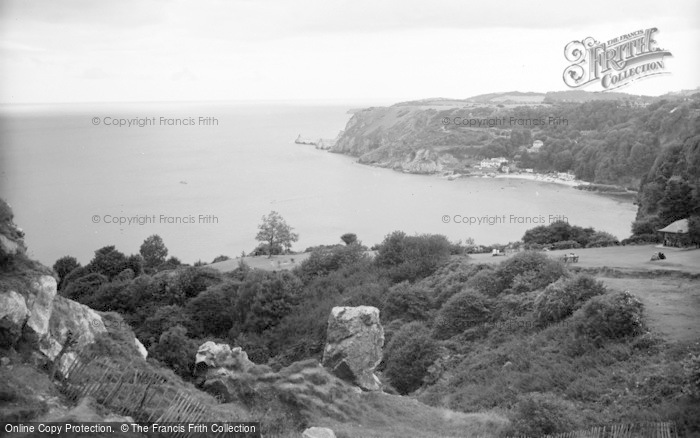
[543, 178]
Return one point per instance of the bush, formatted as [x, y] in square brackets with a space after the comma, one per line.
[641, 239]
[566, 244]
[487, 282]
[324, 260]
[406, 302]
[602, 239]
[464, 310]
[371, 294]
[538, 414]
[191, 281]
[610, 316]
[408, 356]
[83, 287]
[176, 350]
[409, 258]
[691, 371]
[528, 271]
[63, 267]
[212, 311]
[560, 299]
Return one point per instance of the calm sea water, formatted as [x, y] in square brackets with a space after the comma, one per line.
[67, 179]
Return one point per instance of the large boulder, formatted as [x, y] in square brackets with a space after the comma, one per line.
[83, 324]
[31, 312]
[354, 344]
[13, 313]
[301, 391]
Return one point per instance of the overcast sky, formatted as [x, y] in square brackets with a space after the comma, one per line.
[158, 50]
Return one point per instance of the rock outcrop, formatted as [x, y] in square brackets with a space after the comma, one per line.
[31, 312]
[354, 344]
[303, 389]
[213, 355]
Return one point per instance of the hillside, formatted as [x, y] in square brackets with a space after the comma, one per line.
[63, 361]
[604, 138]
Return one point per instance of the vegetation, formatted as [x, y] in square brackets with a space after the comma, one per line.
[153, 251]
[274, 233]
[552, 349]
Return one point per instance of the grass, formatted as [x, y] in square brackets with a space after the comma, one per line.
[629, 258]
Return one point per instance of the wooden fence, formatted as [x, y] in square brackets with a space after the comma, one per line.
[142, 394]
[624, 430]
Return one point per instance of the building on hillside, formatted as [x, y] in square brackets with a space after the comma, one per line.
[492, 163]
[676, 234]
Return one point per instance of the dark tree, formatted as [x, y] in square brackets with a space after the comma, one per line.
[153, 251]
[63, 266]
[108, 261]
[349, 238]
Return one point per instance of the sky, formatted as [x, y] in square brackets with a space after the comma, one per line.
[204, 50]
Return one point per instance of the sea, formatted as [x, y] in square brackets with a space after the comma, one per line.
[202, 175]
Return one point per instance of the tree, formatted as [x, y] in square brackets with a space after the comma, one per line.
[275, 233]
[108, 261]
[153, 251]
[694, 230]
[349, 238]
[63, 266]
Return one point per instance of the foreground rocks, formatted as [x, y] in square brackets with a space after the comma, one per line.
[354, 344]
[31, 312]
[302, 390]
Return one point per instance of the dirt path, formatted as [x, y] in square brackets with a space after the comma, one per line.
[672, 305]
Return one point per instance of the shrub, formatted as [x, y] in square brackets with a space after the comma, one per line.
[408, 356]
[538, 414]
[212, 311]
[602, 239]
[464, 310]
[528, 271]
[371, 294]
[610, 316]
[560, 299]
[409, 258]
[190, 281]
[406, 302]
[108, 262]
[324, 260]
[265, 298]
[159, 322]
[691, 370]
[176, 350]
[81, 288]
[487, 282]
[63, 267]
[566, 244]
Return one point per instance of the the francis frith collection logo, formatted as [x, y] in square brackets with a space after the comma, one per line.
[616, 62]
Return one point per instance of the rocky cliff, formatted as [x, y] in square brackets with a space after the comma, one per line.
[410, 138]
[32, 316]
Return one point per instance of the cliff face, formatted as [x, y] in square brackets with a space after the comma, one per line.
[408, 138]
[32, 316]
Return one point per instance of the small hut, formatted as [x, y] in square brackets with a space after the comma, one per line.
[676, 233]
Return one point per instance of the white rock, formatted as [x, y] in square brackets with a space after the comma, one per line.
[142, 350]
[354, 343]
[318, 432]
[40, 303]
[13, 307]
[222, 355]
